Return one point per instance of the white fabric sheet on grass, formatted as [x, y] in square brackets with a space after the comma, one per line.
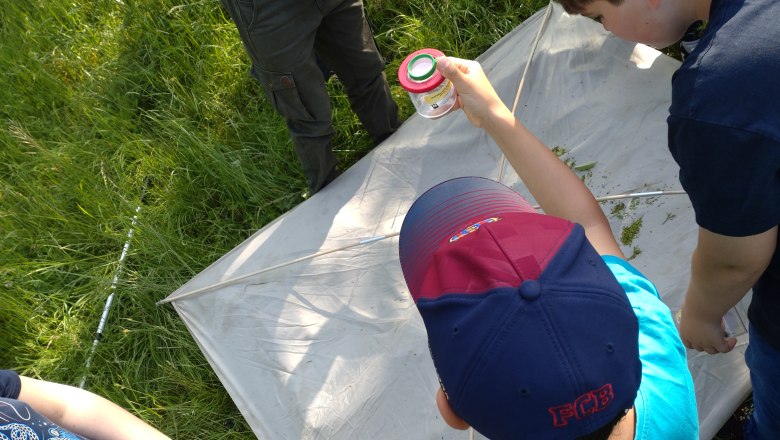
[314, 334]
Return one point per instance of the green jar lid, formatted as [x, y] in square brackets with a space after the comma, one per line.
[421, 67]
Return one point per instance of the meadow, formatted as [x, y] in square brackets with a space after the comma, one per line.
[140, 115]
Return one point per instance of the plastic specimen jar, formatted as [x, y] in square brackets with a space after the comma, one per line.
[432, 94]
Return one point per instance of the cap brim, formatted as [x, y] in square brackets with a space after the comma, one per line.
[446, 210]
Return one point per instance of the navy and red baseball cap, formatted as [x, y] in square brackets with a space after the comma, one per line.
[530, 333]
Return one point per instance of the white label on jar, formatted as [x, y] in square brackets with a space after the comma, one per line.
[438, 95]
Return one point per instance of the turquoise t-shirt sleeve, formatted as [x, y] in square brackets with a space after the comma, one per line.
[666, 402]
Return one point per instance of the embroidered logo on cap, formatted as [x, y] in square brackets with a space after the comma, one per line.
[585, 405]
[473, 228]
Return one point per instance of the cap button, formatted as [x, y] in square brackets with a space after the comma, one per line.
[530, 290]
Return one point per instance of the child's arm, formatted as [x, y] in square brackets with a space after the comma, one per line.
[558, 190]
[723, 269]
[83, 412]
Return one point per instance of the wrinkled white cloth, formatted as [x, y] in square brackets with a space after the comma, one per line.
[331, 346]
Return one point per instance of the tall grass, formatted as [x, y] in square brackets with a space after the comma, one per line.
[111, 105]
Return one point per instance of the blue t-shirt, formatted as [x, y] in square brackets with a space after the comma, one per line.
[665, 404]
[18, 420]
[724, 133]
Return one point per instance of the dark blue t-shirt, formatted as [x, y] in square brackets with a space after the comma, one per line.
[724, 132]
[18, 420]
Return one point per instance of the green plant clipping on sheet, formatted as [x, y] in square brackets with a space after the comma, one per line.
[630, 232]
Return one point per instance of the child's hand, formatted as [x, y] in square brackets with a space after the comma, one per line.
[703, 334]
[476, 95]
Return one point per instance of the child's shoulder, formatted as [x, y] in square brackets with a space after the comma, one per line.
[630, 278]
[652, 313]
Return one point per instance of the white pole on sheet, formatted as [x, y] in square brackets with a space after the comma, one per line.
[538, 36]
[372, 240]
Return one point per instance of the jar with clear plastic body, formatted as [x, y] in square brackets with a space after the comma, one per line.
[433, 95]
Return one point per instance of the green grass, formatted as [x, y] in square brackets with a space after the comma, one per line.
[104, 102]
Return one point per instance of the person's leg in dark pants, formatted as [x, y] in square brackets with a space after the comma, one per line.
[345, 42]
[279, 38]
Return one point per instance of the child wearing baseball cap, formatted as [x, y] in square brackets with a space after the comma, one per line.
[537, 326]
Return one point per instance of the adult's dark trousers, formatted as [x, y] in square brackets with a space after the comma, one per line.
[283, 39]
